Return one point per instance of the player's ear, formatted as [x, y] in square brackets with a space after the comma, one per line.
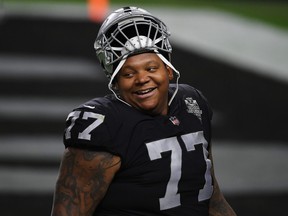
[170, 72]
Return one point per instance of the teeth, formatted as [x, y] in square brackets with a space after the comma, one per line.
[145, 91]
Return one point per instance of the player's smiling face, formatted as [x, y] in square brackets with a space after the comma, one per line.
[143, 83]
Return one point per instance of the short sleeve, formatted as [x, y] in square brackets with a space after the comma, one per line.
[90, 127]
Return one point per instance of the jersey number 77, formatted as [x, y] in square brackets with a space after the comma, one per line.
[171, 198]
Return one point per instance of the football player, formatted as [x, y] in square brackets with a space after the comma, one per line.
[145, 149]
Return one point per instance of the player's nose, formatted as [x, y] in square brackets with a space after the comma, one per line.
[142, 77]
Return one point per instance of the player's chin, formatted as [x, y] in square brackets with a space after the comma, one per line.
[150, 107]
[148, 104]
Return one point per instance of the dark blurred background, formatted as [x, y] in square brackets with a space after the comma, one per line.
[235, 53]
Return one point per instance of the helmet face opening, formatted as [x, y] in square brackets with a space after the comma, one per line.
[129, 31]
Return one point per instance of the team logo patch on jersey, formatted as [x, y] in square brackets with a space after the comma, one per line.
[193, 107]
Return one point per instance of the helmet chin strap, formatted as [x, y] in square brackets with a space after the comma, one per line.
[121, 63]
[174, 69]
[110, 85]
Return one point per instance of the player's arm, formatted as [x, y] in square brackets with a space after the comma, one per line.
[218, 205]
[83, 180]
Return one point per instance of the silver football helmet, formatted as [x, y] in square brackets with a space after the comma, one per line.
[128, 31]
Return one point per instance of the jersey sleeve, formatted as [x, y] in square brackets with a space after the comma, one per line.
[89, 127]
[206, 104]
[206, 110]
[201, 99]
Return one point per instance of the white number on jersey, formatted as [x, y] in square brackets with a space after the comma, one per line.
[86, 133]
[172, 198]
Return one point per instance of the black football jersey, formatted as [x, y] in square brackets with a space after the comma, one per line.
[165, 168]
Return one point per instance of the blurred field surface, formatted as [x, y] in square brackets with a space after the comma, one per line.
[271, 12]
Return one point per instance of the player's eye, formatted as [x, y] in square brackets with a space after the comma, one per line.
[127, 74]
[152, 68]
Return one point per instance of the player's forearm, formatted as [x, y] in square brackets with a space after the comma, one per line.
[70, 202]
[221, 208]
[218, 205]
